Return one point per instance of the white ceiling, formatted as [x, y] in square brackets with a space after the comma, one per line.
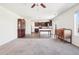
[25, 10]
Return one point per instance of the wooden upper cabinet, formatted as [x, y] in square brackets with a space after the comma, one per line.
[21, 24]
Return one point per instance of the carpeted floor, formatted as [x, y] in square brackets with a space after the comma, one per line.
[38, 46]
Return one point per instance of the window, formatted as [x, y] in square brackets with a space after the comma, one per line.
[76, 23]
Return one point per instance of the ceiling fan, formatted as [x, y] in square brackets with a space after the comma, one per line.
[41, 4]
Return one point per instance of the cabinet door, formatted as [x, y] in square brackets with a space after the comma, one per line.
[21, 28]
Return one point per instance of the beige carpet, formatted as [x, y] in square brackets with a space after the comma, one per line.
[38, 46]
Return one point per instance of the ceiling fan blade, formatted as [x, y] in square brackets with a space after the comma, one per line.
[43, 5]
[33, 5]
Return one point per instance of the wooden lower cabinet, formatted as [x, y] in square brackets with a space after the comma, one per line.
[21, 33]
[64, 34]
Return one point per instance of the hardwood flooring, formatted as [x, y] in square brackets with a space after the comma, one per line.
[38, 46]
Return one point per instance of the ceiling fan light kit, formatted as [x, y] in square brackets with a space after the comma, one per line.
[41, 4]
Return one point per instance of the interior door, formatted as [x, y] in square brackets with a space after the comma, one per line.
[21, 28]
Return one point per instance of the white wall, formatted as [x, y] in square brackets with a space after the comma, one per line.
[66, 20]
[8, 25]
[28, 26]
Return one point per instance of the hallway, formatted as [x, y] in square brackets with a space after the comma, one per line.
[38, 46]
